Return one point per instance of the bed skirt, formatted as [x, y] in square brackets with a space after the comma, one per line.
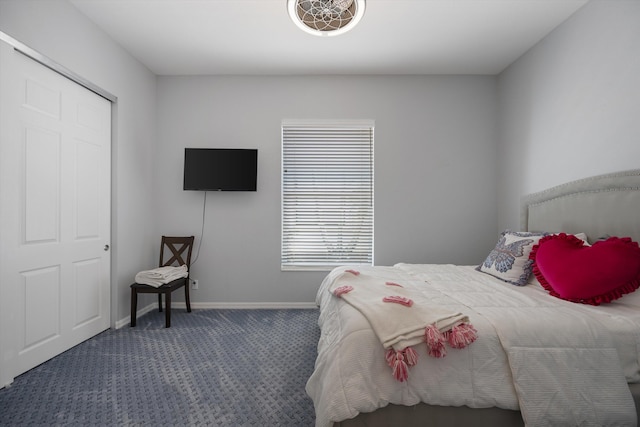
[423, 415]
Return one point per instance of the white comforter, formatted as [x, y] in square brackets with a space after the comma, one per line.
[556, 361]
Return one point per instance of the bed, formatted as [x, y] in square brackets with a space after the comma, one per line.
[535, 359]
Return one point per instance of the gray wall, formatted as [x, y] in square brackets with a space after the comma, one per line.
[57, 30]
[453, 154]
[435, 171]
[570, 107]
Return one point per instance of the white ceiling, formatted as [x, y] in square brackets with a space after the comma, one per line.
[203, 37]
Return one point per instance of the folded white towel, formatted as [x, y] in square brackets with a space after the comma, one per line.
[161, 275]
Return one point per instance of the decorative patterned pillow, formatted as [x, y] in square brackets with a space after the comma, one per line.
[509, 260]
[595, 274]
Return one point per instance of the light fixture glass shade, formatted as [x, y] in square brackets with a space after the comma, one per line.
[326, 17]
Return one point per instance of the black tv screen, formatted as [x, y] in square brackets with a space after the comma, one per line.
[220, 169]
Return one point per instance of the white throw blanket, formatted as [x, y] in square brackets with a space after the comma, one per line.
[161, 275]
[402, 318]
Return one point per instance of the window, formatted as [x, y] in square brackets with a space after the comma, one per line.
[327, 194]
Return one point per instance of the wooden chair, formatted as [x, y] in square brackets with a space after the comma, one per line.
[175, 256]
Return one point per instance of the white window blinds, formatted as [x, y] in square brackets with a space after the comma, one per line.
[327, 194]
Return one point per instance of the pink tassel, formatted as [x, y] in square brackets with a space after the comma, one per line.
[398, 300]
[342, 290]
[394, 284]
[432, 335]
[438, 350]
[399, 362]
[435, 342]
[410, 356]
[470, 332]
[400, 369]
[462, 335]
[390, 356]
[354, 272]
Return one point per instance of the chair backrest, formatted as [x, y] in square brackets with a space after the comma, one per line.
[174, 248]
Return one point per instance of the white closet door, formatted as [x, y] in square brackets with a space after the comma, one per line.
[55, 165]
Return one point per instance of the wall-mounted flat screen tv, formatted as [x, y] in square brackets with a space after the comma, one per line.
[220, 169]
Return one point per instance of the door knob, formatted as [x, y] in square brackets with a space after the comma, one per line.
[106, 247]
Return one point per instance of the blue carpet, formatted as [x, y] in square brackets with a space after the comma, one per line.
[212, 367]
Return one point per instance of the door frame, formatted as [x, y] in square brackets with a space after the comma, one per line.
[60, 69]
[67, 73]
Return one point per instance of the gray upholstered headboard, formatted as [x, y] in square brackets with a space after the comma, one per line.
[603, 205]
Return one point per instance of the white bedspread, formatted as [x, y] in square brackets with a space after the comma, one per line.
[555, 361]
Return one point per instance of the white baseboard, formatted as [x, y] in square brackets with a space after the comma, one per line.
[249, 305]
[221, 305]
[127, 320]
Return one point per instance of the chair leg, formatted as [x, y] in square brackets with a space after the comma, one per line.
[186, 296]
[167, 314]
[134, 306]
[160, 302]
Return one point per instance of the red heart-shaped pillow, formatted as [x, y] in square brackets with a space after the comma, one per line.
[587, 274]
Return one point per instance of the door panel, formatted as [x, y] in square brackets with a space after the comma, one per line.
[87, 198]
[41, 192]
[87, 291]
[55, 150]
[40, 287]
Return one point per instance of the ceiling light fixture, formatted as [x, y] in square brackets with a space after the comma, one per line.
[326, 17]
